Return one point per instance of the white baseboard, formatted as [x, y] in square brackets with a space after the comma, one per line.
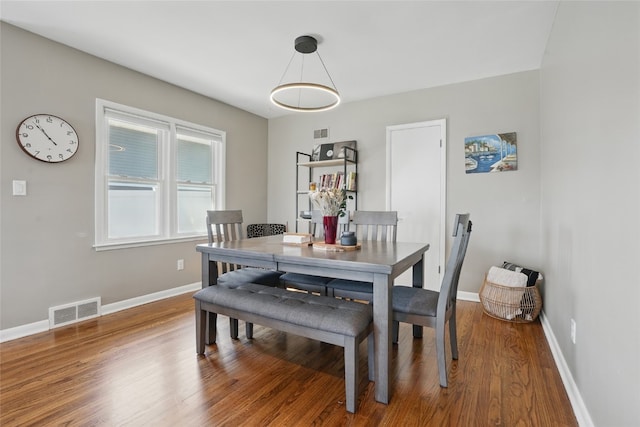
[579, 408]
[43, 325]
[468, 296]
[24, 330]
[145, 299]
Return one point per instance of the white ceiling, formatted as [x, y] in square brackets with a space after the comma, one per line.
[237, 51]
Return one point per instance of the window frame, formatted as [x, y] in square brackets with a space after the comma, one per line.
[168, 183]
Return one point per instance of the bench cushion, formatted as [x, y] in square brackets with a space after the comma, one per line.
[313, 311]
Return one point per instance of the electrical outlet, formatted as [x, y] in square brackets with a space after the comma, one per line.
[573, 331]
[180, 265]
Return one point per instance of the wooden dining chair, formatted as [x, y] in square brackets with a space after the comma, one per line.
[226, 226]
[308, 282]
[423, 307]
[369, 226]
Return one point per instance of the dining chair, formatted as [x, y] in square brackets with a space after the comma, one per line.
[226, 226]
[423, 307]
[260, 230]
[370, 226]
[308, 282]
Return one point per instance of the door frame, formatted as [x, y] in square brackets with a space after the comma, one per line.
[442, 123]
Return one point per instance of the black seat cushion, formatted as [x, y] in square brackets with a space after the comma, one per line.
[260, 276]
[304, 279]
[351, 285]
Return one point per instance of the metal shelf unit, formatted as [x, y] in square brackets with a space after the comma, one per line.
[303, 160]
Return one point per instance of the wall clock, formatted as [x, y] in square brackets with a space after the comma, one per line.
[47, 138]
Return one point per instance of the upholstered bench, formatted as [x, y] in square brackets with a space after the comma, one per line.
[327, 319]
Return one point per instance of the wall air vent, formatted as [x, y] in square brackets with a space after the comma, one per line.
[74, 312]
[321, 133]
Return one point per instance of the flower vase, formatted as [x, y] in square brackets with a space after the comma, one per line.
[330, 229]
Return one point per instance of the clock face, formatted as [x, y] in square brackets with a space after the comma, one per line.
[47, 138]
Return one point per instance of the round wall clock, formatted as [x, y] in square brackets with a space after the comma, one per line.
[47, 138]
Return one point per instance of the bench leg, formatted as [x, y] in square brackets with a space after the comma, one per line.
[351, 373]
[201, 327]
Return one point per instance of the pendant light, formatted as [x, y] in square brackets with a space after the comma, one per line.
[312, 88]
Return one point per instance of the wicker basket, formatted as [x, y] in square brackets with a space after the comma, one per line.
[515, 304]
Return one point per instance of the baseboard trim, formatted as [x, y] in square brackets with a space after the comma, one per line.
[43, 325]
[468, 296]
[577, 403]
[145, 299]
[24, 330]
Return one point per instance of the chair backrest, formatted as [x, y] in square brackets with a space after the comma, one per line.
[259, 230]
[224, 226]
[449, 288]
[317, 227]
[375, 225]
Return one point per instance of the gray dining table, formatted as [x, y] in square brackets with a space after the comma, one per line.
[376, 262]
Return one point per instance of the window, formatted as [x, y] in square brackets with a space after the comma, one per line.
[155, 177]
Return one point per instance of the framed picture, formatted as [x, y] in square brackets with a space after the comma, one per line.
[491, 153]
[334, 150]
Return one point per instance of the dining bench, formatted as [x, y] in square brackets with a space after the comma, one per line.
[322, 318]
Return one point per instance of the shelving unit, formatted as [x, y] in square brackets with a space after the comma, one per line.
[320, 167]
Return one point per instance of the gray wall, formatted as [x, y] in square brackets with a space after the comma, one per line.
[504, 206]
[590, 132]
[46, 250]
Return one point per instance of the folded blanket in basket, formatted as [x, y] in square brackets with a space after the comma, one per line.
[504, 277]
[532, 275]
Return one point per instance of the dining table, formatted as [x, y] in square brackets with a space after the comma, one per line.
[378, 262]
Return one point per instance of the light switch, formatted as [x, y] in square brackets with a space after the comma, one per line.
[19, 188]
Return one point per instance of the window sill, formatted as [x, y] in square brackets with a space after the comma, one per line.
[137, 244]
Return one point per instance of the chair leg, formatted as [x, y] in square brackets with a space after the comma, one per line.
[441, 353]
[248, 330]
[210, 320]
[417, 331]
[351, 373]
[395, 331]
[371, 357]
[233, 328]
[201, 326]
[453, 337]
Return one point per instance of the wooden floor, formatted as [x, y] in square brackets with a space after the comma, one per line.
[139, 367]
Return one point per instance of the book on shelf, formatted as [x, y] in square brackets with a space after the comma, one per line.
[297, 238]
[351, 181]
[338, 180]
[332, 180]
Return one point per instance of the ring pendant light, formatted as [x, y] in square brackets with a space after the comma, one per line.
[294, 96]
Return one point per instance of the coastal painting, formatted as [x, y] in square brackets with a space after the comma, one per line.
[491, 153]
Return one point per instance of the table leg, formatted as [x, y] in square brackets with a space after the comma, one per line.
[382, 319]
[418, 282]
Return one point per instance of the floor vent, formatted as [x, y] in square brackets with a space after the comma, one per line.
[74, 312]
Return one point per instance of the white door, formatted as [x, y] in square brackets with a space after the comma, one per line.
[416, 188]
